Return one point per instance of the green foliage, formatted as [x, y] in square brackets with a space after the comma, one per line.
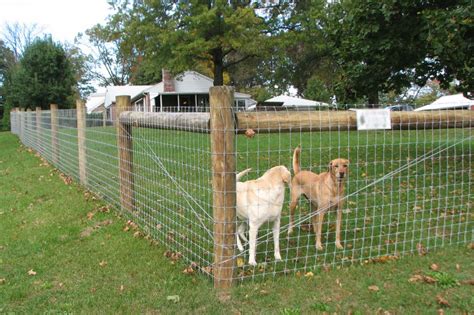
[444, 279]
[316, 90]
[43, 76]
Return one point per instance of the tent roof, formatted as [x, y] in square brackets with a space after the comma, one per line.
[113, 91]
[94, 101]
[290, 101]
[448, 102]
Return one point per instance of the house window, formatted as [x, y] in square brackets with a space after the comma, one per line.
[240, 105]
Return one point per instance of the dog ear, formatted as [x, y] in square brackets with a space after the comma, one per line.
[329, 166]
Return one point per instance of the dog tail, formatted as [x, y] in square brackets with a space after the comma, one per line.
[241, 174]
[296, 160]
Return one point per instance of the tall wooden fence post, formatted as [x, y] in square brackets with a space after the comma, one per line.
[38, 127]
[125, 148]
[81, 141]
[223, 184]
[22, 122]
[54, 134]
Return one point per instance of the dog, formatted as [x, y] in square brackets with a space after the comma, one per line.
[324, 191]
[260, 201]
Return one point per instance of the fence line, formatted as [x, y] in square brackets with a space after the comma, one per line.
[173, 174]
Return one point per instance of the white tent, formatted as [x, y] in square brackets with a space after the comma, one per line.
[457, 101]
[292, 102]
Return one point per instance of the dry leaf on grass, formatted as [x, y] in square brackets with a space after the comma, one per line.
[421, 249]
[469, 282]
[458, 267]
[442, 301]
[309, 274]
[90, 215]
[373, 288]
[240, 262]
[3, 280]
[103, 263]
[173, 298]
[422, 278]
[31, 272]
[434, 267]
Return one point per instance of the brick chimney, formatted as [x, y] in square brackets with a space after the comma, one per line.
[168, 83]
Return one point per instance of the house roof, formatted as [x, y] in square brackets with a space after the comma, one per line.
[456, 101]
[131, 90]
[94, 101]
[188, 82]
[290, 101]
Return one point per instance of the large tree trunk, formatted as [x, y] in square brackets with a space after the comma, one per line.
[373, 99]
[218, 61]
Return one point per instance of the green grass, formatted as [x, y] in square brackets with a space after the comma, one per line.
[428, 203]
[42, 219]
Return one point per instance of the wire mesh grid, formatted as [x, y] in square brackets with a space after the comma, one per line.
[405, 190]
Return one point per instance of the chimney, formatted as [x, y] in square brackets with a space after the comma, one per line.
[168, 83]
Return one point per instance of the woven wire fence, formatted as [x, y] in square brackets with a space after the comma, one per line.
[406, 189]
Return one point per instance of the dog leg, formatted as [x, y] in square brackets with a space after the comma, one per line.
[253, 231]
[318, 226]
[295, 193]
[240, 234]
[276, 238]
[338, 226]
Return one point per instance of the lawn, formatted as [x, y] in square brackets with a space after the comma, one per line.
[62, 250]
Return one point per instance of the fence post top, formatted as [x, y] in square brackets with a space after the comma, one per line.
[53, 106]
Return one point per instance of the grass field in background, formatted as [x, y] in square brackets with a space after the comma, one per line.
[60, 251]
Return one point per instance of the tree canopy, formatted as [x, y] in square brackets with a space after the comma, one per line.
[44, 75]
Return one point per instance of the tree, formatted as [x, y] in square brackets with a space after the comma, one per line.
[43, 76]
[18, 36]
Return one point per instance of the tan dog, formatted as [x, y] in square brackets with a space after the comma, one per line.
[324, 191]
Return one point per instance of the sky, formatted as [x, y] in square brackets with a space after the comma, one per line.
[63, 19]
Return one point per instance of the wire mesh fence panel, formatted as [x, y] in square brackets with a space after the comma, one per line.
[354, 195]
[406, 189]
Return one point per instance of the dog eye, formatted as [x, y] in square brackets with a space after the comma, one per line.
[345, 165]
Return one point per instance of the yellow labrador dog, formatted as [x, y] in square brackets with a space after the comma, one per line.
[324, 191]
[260, 201]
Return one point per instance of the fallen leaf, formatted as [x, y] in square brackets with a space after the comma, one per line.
[188, 270]
[122, 288]
[31, 272]
[240, 262]
[442, 301]
[173, 298]
[309, 274]
[434, 267]
[373, 288]
[126, 228]
[263, 292]
[137, 234]
[416, 278]
[458, 267]
[470, 282]
[90, 215]
[421, 250]
[3, 281]
[249, 133]
[103, 263]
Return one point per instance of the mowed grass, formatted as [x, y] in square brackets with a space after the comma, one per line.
[59, 252]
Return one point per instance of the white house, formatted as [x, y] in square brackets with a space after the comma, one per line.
[457, 101]
[187, 92]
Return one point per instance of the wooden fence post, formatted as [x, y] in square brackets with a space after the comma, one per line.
[54, 134]
[223, 184]
[104, 118]
[38, 127]
[125, 148]
[22, 122]
[81, 141]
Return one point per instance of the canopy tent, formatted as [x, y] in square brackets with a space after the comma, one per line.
[457, 101]
[291, 102]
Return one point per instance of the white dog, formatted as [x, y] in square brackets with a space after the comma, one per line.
[260, 201]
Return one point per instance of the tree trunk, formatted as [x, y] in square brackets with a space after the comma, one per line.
[373, 99]
[218, 67]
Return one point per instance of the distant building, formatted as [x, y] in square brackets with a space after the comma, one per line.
[457, 101]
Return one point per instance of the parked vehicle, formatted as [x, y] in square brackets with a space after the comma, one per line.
[400, 108]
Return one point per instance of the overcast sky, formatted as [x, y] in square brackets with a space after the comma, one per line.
[63, 19]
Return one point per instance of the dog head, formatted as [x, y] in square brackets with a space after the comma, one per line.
[338, 168]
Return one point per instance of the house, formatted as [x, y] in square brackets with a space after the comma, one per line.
[95, 103]
[290, 102]
[457, 101]
[187, 92]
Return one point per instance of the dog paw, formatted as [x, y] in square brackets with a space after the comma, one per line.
[277, 256]
[290, 231]
[339, 246]
[319, 247]
[252, 263]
